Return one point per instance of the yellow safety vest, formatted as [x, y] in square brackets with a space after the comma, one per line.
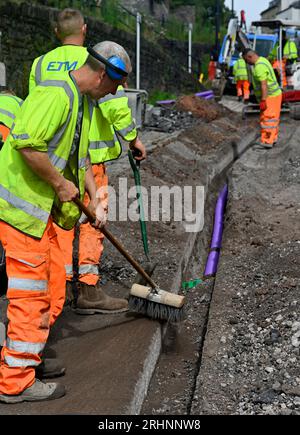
[240, 71]
[263, 70]
[56, 63]
[111, 118]
[9, 108]
[46, 123]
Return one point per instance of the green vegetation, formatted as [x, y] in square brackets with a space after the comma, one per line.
[111, 12]
[160, 95]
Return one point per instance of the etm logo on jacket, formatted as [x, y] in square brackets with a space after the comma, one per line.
[61, 66]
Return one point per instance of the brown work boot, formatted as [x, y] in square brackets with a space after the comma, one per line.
[50, 368]
[92, 300]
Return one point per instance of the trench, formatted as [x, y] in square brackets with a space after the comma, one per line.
[180, 343]
[172, 387]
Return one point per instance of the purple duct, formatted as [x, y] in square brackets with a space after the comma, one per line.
[216, 241]
[166, 102]
[209, 97]
[203, 94]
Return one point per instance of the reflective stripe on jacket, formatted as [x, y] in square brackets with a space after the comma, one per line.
[9, 108]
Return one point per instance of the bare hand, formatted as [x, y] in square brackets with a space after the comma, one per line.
[67, 191]
[101, 215]
[138, 149]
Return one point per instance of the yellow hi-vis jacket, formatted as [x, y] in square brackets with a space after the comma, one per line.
[290, 51]
[111, 118]
[263, 70]
[56, 63]
[240, 71]
[10, 106]
[47, 123]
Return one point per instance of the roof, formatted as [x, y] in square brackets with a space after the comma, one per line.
[275, 24]
[295, 5]
[273, 4]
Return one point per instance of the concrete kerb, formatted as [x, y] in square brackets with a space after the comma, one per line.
[219, 164]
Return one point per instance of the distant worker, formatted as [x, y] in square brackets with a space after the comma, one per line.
[44, 165]
[10, 106]
[241, 78]
[268, 94]
[212, 68]
[289, 55]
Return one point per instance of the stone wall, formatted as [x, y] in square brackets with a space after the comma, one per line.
[153, 7]
[27, 33]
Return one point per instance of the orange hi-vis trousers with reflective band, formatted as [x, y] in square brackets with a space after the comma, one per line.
[243, 88]
[36, 294]
[90, 238]
[280, 68]
[269, 120]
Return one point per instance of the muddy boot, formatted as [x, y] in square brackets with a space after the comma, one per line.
[92, 300]
[37, 392]
[50, 368]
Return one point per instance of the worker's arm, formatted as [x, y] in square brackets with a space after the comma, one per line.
[264, 89]
[94, 205]
[90, 185]
[42, 114]
[41, 165]
[118, 114]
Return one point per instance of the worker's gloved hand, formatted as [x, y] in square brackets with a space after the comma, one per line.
[263, 105]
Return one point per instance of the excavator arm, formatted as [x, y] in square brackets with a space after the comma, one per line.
[235, 38]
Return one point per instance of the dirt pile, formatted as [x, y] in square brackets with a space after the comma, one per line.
[200, 108]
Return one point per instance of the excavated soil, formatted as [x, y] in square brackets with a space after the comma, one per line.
[201, 108]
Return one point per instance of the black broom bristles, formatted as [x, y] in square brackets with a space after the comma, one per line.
[155, 310]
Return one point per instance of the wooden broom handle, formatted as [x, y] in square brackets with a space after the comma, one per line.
[116, 243]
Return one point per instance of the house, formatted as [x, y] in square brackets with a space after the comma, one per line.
[283, 10]
[292, 12]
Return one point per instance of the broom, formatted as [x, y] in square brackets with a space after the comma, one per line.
[150, 265]
[151, 301]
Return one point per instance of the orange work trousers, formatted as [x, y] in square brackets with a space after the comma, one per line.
[36, 294]
[269, 120]
[243, 88]
[280, 70]
[90, 238]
